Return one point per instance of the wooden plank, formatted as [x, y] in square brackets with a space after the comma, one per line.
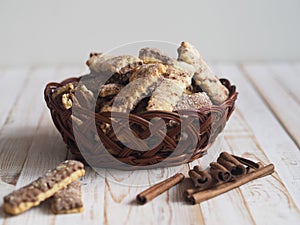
[215, 210]
[48, 136]
[11, 86]
[261, 194]
[286, 108]
[168, 208]
[8, 78]
[93, 185]
[4, 189]
[92, 191]
[45, 152]
[288, 77]
[240, 137]
[109, 197]
[17, 133]
[30, 144]
[270, 138]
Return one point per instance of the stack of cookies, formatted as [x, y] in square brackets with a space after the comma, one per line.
[150, 81]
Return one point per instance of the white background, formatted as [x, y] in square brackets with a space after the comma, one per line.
[66, 31]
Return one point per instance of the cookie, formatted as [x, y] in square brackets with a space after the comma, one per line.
[68, 199]
[109, 90]
[170, 90]
[44, 187]
[165, 96]
[154, 55]
[193, 101]
[103, 63]
[203, 76]
[142, 84]
[64, 89]
[66, 101]
[84, 97]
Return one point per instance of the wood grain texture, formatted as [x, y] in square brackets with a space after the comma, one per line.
[276, 95]
[258, 195]
[167, 208]
[216, 209]
[93, 198]
[45, 152]
[269, 135]
[14, 79]
[20, 125]
[288, 77]
[30, 145]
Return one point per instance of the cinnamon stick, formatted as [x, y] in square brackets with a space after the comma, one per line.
[190, 191]
[232, 164]
[159, 188]
[219, 172]
[198, 169]
[247, 162]
[200, 178]
[250, 169]
[222, 188]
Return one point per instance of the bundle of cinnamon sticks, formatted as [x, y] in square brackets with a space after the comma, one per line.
[227, 173]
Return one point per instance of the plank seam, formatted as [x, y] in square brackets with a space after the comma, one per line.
[269, 106]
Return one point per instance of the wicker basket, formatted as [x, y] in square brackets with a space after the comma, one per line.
[111, 153]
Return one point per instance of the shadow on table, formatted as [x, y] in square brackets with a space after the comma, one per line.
[28, 152]
[178, 194]
[29, 149]
[2, 214]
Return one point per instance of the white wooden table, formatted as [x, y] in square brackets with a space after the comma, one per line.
[265, 126]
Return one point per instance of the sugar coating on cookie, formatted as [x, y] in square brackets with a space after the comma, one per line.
[170, 90]
[203, 76]
[193, 101]
[68, 199]
[113, 64]
[154, 55]
[142, 83]
[165, 96]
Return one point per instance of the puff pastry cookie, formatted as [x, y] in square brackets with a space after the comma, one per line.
[151, 81]
[102, 63]
[203, 77]
[170, 90]
[142, 83]
[194, 101]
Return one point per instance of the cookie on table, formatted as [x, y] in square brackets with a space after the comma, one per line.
[68, 199]
[43, 188]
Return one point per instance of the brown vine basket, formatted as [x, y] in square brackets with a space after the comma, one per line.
[107, 151]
